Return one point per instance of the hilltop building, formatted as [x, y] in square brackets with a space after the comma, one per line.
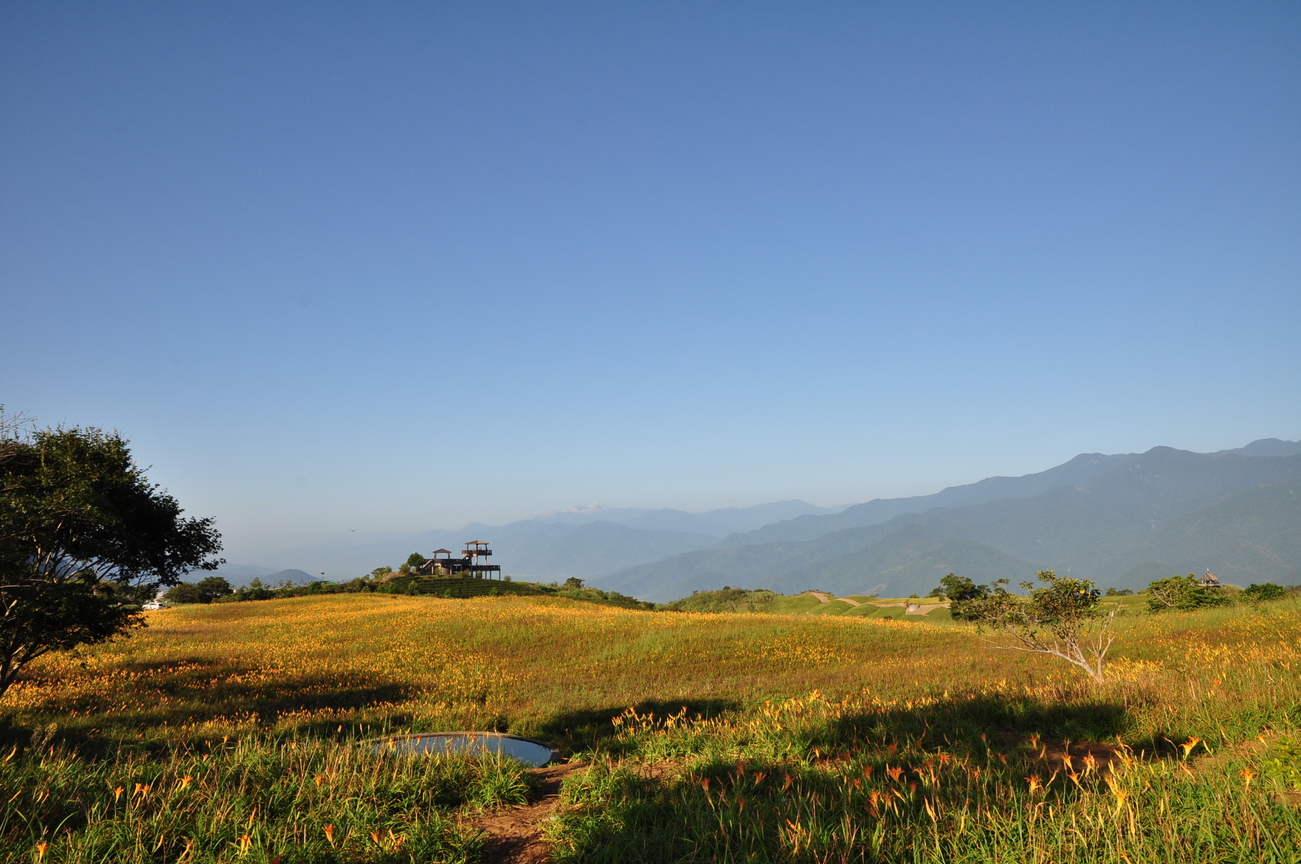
[471, 563]
[1209, 580]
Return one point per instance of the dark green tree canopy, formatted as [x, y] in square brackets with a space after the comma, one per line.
[1267, 591]
[84, 537]
[1183, 593]
[204, 591]
[959, 591]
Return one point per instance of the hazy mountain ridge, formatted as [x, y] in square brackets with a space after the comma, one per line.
[1086, 529]
[529, 549]
[579, 543]
[1078, 470]
[1253, 536]
[1085, 516]
[718, 523]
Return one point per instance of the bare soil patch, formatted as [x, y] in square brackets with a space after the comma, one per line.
[514, 836]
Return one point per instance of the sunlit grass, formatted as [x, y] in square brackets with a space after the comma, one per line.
[735, 737]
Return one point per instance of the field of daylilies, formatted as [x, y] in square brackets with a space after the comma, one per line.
[231, 733]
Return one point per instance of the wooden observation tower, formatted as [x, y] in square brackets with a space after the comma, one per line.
[475, 552]
[471, 563]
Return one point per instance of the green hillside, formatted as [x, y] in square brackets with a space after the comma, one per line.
[807, 603]
[450, 588]
[911, 560]
[1251, 537]
[1133, 519]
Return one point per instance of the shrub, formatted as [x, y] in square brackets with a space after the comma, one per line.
[1061, 619]
[1267, 591]
[1182, 593]
[1285, 763]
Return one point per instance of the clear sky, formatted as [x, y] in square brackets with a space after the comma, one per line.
[387, 267]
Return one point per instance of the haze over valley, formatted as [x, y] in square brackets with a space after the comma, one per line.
[1120, 520]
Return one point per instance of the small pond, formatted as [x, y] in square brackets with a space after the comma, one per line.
[532, 753]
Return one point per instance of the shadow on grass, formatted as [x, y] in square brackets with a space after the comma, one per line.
[185, 693]
[583, 729]
[845, 778]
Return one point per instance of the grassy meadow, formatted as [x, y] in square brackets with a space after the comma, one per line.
[228, 733]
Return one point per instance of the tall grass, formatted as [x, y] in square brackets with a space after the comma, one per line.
[251, 800]
[708, 736]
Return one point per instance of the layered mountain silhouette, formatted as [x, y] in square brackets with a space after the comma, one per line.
[581, 543]
[1119, 520]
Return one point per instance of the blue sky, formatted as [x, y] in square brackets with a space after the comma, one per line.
[389, 267]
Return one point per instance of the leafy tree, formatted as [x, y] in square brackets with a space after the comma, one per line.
[184, 592]
[1268, 591]
[204, 591]
[213, 587]
[573, 582]
[254, 590]
[1123, 592]
[84, 537]
[1182, 593]
[415, 559]
[959, 591]
[1061, 619]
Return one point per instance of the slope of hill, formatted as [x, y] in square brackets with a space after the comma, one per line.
[1266, 447]
[912, 560]
[1254, 536]
[1079, 470]
[1085, 529]
[1084, 470]
[293, 577]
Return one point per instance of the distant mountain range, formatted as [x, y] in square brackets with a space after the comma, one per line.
[715, 523]
[581, 543]
[1119, 520]
[239, 575]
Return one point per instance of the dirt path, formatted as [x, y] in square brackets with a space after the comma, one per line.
[514, 836]
[920, 610]
[827, 598]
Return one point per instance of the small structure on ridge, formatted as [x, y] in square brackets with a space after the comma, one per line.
[471, 563]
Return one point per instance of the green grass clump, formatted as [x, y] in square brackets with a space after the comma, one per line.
[1284, 764]
[255, 799]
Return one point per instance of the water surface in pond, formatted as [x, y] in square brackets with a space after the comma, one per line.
[530, 752]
